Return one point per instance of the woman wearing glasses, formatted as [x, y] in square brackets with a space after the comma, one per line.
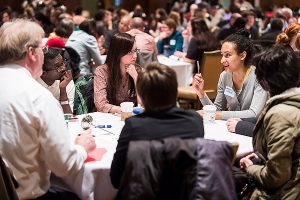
[115, 81]
[57, 79]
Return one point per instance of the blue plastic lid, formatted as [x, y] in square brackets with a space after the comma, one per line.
[138, 110]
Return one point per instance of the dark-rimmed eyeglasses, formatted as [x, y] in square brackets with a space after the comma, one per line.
[58, 67]
[133, 51]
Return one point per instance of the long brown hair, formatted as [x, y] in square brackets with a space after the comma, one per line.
[120, 45]
[204, 38]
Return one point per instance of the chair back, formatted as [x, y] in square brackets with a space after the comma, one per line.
[7, 183]
[211, 68]
[84, 95]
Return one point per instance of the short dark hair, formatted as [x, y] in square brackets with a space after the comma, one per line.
[157, 87]
[242, 43]
[89, 26]
[50, 55]
[277, 24]
[278, 69]
[72, 60]
[171, 24]
[64, 28]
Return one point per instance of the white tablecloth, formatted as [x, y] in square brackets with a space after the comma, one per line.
[93, 181]
[183, 70]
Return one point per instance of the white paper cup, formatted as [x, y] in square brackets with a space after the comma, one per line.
[209, 113]
[126, 108]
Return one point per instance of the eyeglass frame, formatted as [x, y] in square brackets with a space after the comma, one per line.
[44, 48]
[60, 68]
[131, 52]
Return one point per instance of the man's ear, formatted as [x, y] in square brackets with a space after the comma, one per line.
[243, 55]
[32, 56]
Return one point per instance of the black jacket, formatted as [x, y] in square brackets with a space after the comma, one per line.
[179, 170]
[174, 122]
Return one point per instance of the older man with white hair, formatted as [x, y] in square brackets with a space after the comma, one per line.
[34, 139]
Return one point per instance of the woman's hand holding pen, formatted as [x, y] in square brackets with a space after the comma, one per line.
[198, 85]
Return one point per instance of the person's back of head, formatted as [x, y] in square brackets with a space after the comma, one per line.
[175, 16]
[99, 15]
[16, 37]
[199, 26]
[293, 30]
[239, 23]
[72, 59]
[64, 28]
[89, 26]
[137, 23]
[277, 24]
[161, 14]
[157, 87]
[278, 69]
[77, 10]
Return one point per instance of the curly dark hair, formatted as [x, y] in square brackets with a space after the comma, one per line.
[278, 69]
[242, 43]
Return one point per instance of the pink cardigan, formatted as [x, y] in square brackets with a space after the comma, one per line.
[100, 90]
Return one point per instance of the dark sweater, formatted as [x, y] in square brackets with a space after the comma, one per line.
[174, 122]
[245, 127]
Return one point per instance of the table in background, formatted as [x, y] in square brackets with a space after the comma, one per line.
[183, 70]
[93, 181]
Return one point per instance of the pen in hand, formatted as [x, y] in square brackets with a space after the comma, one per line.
[198, 67]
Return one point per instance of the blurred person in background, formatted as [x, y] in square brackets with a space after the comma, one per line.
[84, 41]
[290, 36]
[5, 13]
[170, 40]
[201, 41]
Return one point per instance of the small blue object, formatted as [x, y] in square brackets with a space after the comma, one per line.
[137, 110]
[103, 126]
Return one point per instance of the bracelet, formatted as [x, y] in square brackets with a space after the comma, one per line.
[64, 102]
